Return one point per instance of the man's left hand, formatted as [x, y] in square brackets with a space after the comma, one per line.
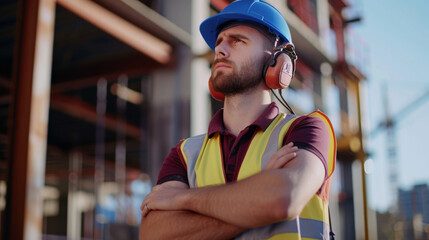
[163, 197]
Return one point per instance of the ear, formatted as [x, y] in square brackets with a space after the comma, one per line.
[216, 95]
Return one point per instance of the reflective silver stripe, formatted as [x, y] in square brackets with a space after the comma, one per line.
[191, 150]
[272, 145]
[311, 228]
[269, 230]
[308, 228]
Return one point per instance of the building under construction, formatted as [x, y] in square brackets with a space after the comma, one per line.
[93, 94]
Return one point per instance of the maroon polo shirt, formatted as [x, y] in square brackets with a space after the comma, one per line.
[308, 132]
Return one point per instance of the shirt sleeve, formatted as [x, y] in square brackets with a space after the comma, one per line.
[173, 168]
[312, 134]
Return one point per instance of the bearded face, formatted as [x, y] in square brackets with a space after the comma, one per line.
[240, 54]
[237, 79]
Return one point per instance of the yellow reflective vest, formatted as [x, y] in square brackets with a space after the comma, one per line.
[199, 151]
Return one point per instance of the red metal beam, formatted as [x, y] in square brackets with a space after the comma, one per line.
[134, 66]
[83, 110]
[78, 108]
[29, 119]
[53, 175]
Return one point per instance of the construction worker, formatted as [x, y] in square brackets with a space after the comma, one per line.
[257, 173]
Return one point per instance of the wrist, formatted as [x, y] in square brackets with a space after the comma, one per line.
[184, 198]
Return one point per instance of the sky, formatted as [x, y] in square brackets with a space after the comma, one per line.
[396, 33]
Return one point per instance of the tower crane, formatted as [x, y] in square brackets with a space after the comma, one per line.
[389, 125]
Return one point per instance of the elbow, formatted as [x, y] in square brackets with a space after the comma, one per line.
[286, 209]
[145, 229]
[145, 233]
[142, 232]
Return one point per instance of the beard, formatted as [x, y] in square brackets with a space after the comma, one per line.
[249, 76]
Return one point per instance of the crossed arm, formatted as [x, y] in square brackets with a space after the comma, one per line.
[279, 192]
[182, 224]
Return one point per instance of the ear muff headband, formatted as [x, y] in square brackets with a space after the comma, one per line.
[278, 71]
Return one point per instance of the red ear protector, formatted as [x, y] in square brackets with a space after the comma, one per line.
[216, 95]
[278, 71]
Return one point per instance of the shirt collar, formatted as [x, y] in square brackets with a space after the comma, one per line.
[263, 121]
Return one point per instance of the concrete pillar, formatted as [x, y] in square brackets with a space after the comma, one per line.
[200, 73]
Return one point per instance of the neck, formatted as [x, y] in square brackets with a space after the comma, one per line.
[241, 110]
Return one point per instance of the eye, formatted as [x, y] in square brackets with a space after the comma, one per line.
[239, 40]
[218, 42]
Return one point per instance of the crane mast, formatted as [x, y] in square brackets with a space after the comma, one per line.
[389, 124]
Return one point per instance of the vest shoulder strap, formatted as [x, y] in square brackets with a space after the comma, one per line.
[275, 141]
[191, 149]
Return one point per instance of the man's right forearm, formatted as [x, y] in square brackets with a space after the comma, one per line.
[185, 225]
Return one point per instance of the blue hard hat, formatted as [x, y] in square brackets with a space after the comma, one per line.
[256, 11]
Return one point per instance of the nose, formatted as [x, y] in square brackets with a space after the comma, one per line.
[222, 50]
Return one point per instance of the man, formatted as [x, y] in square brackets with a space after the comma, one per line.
[256, 174]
